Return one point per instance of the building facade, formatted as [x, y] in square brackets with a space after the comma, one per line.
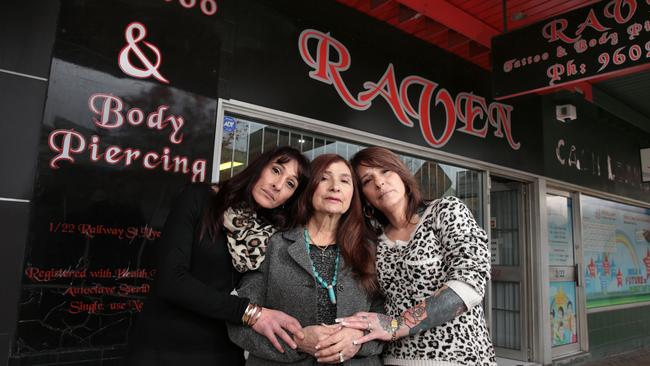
[110, 107]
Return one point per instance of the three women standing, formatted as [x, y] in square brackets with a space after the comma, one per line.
[431, 265]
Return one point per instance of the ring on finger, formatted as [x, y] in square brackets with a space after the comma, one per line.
[369, 328]
[341, 358]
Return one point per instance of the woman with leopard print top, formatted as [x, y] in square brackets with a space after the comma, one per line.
[432, 267]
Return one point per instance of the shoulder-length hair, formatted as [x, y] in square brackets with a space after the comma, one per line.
[382, 158]
[352, 234]
[237, 192]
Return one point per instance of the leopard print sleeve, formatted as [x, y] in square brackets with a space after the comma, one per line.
[464, 242]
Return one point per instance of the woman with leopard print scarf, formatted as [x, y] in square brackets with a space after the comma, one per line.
[432, 267]
[317, 271]
[212, 235]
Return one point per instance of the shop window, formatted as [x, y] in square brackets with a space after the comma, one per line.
[244, 139]
[616, 253]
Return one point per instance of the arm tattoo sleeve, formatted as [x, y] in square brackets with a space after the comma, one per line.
[436, 309]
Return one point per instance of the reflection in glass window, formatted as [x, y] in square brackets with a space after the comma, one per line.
[244, 139]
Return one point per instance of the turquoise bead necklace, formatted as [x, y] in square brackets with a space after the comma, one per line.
[319, 279]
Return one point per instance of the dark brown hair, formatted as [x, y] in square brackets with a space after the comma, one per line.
[352, 233]
[236, 192]
[379, 157]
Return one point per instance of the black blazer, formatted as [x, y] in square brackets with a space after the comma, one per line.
[183, 321]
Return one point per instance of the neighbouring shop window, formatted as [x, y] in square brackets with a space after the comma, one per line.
[244, 139]
[616, 249]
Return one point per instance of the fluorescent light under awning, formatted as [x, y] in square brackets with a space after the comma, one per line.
[228, 165]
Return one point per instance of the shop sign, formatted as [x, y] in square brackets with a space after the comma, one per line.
[128, 121]
[109, 112]
[594, 151]
[208, 7]
[590, 42]
[330, 58]
[329, 63]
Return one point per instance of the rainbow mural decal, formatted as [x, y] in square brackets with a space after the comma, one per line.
[616, 253]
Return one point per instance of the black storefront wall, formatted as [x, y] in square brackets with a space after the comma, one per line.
[116, 119]
[118, 138]
[269, 39]
[275, 62]
[596, 150]
[25, 51]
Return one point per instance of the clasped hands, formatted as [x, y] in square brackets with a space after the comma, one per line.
[329, 343]
[326, 343]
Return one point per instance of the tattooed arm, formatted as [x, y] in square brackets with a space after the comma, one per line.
[439, 308]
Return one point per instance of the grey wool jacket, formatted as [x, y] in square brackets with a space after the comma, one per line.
[285, 282]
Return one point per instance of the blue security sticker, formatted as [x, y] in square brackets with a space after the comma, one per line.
[229, 124]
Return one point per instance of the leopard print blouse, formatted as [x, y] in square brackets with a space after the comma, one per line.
[447, 245]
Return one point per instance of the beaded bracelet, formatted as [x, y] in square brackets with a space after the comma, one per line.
[394, 325]
[393, 337]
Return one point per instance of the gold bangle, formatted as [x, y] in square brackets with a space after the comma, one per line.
[250, 312]
[247, 313]
[252, 315]
[257, 316]
[244, 316]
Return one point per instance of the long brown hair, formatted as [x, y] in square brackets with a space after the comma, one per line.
[236, 192]
[382, 158]
[352, 233]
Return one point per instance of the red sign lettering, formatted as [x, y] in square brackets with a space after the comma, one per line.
[329, 58]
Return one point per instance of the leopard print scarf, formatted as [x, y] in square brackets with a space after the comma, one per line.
[247, 238]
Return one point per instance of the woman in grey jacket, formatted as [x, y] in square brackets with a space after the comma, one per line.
[317, 272]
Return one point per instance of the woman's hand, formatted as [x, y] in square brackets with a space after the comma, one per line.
[313, 334]
[274, 323]
[379, 326]
[439, 308]
[339, 346]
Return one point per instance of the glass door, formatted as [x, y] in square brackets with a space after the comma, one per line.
[564, 298]
[508, 228]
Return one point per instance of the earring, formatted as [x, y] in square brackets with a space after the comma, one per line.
[368, 211]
